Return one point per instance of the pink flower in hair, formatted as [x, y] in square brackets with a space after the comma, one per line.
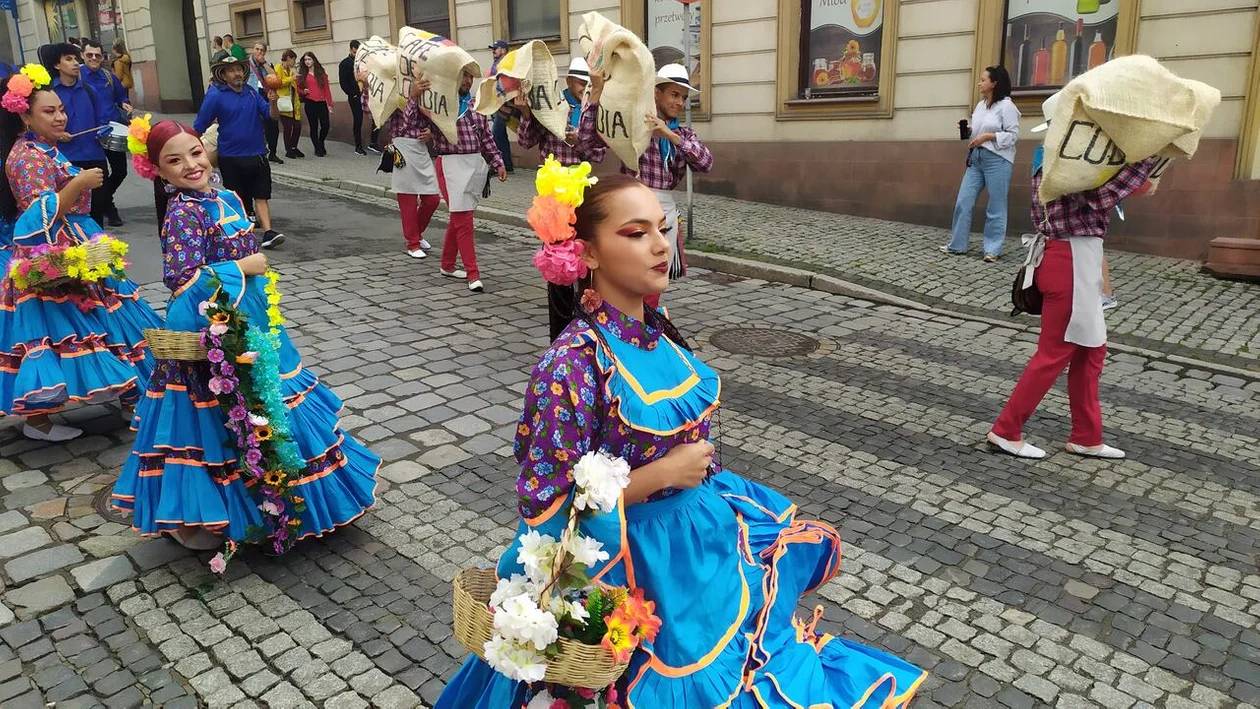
[561, 263]
[15, 103]
[143, 166]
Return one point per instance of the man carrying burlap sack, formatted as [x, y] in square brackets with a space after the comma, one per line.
[659, 147]
[1110, 130]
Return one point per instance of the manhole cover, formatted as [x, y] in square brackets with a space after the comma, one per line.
[763, 342]
[101, 502]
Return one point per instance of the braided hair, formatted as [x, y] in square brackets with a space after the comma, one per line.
[563, 302]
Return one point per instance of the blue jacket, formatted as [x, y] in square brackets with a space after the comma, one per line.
[84, 110]
[107, 86]
[240, 117]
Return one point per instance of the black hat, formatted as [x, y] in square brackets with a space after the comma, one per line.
[50, 54]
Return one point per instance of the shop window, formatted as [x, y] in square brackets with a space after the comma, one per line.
[247, 20]
[309, 20]
[519, 21]
[429, 15]
[1046, 43]
[836, 59]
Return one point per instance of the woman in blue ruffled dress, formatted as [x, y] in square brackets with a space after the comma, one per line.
[58, 348]
[183, 476]
[725, 560]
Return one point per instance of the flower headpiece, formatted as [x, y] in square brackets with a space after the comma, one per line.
[553, 214]
[138, 146]
[21, 85]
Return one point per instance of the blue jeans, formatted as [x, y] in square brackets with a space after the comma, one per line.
[501, 141]
[990, 171]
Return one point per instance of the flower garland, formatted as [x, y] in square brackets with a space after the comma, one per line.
[556, 597]
[50, 266]
[21, 85]
[553, 214]
[245, 376]
[138, 145]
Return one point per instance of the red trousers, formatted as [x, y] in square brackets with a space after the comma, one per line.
[1084, 364]
[416, 211]
[459, 235]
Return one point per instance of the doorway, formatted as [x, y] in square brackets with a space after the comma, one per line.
[192, 53]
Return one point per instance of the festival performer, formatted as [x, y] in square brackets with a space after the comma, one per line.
[187, 474]
[676, 147]
[414, 182]
[725, 560]
[64, 345]
[568, 152]
[1067, 257]
[461, 178]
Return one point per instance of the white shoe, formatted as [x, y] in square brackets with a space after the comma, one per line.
[197, 540]
[56, 434]
[1019, 450]
[476, 287]
[1103, 451]
[416, 253]
[457, 273]
[424, 244]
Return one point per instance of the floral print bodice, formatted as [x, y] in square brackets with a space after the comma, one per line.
[35, 168]
[203, 228]
[568, 413]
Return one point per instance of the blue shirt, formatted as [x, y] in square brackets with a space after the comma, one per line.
[240, 116]
[107, 86]
[84, 110]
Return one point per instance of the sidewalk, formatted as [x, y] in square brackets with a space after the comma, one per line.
[1166, 305]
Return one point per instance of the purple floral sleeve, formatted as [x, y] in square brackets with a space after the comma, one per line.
[184, 237]
[557, 427]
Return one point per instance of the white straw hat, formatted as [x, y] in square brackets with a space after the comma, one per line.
[675, 74]
[579, 69]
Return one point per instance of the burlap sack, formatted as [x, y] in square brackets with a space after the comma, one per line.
[442, 62]
[629, 90]
[379, 60]
[1121, 112]
[210, 139]
[528, 71]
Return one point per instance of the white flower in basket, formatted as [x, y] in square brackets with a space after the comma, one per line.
[529, 609]
[600, 479]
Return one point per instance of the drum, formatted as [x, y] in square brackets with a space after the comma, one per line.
[116, 140]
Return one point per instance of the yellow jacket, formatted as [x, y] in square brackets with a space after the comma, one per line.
[288, 81]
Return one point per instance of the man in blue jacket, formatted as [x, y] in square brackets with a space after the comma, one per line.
[108, 87]
[86, 115]
[242, 113]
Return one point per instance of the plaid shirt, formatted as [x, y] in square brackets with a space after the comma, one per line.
[531, 133]
[1087, 213]
[473, 131]
[653, 171]
[406, 123]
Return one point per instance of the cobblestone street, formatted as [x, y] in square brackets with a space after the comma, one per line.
[1060, 583]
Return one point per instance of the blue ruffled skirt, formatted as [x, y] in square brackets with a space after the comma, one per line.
[726, 564]
[52, 353]
[183, 465]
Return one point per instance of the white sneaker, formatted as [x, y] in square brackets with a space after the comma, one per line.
[1109, 302]
[416, 253]
[424, 244]
[56, 434]
[1102, 451]
[476, 287]
[457, 273]
[1019, 450]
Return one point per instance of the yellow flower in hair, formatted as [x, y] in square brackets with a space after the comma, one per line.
[138, 134]
[567, 184]
[37, 74]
